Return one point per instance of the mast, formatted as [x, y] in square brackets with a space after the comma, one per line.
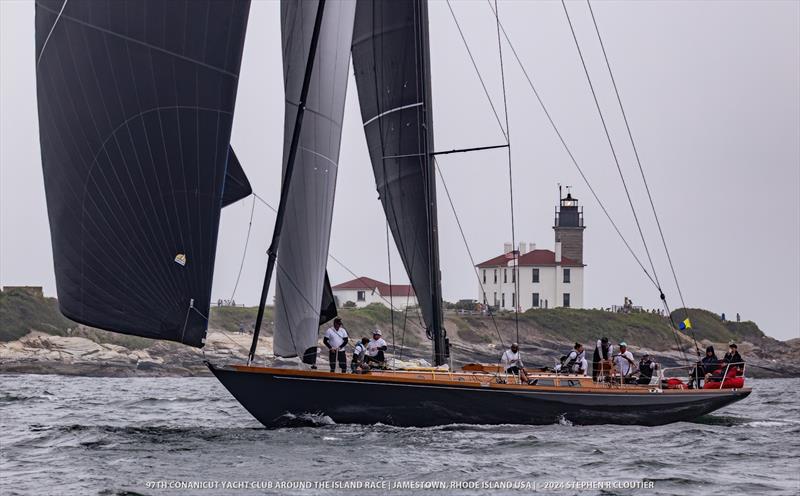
[441, 345]
[272, 252]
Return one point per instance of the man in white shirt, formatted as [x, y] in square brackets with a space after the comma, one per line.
[624, 362]
[512, 362]
[336, 341]
[375, 348]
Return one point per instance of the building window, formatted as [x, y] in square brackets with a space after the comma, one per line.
[514, 274]
[484, 276]
[514, 300]
[566, 276]
[535, 300]
[566, 300]
[505, 275]
[495, 277]
[503, 301]
[361, 296]
[495, 299]
[535, 275]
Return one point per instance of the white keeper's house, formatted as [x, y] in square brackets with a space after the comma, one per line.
[547, 279]
[364, 291]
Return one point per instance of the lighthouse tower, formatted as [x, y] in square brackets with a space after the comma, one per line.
[568, 227]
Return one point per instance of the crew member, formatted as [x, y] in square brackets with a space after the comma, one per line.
[575, 362]
[707, 365]
[336, 341]
[647, 368]
[512, 363]
[602, 356]
[734, 358]
[624, 362]
[357, 365]
[375, 348]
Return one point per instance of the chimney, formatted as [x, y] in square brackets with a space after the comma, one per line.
[522, 247]
[507, 248]
[558, 251]
[532, 247]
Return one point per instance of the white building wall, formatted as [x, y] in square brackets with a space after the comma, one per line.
[551, 287]
[372, 296]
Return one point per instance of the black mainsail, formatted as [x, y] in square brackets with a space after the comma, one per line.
[392, 70]
[136, 102]
[302, 287]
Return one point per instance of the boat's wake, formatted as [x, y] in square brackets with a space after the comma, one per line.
[304, 420]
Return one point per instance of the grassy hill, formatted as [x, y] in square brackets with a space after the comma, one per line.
[22, 311]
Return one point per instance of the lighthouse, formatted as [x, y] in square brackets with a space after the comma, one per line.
[568, 227]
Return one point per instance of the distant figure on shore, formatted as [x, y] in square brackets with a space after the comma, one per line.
[722, 316]
[738, 317]
[601, 360]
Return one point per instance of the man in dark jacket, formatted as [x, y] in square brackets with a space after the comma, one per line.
[707, 365]
[733, 357]
[602, 356]
[647, 367]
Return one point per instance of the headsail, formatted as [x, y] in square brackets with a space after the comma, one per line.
[392, 70]
[303, 248]
[136, 102]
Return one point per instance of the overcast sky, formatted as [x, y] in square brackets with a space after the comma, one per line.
[712, 93]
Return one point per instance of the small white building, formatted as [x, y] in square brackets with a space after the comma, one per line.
[364, 291]
[543, 278]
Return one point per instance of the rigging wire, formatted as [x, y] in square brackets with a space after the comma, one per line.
[466, 245]
[611, 145]
[480, 78]
[244, 252]
[641, 170]
[514, 250]
[569, 152]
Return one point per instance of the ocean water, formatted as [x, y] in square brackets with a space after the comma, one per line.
[107, 436]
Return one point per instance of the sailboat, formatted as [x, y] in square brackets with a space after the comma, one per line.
[136, 102]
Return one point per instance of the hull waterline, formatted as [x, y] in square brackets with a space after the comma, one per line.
[275, 396]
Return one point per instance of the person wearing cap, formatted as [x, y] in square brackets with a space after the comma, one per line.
[733, 356]
[647, 368]
[624, 362]
[336, 341]
[602, 357]
[357, 365]
[375, 348]
[575, 362]
[512, 362]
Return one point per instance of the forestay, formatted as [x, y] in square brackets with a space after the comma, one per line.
[136, 100]
[304, 242]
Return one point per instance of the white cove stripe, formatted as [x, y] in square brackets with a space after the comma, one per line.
[412, 105]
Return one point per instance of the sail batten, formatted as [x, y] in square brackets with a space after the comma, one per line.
[136, 103]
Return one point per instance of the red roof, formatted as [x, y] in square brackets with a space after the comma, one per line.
[535, 258]
[384, 289]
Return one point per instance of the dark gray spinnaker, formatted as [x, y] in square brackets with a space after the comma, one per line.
[136, 102]
[392, 71]
[237, 186]
[303, 247]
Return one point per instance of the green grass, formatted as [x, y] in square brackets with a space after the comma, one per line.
[708, 325]
[22, 312]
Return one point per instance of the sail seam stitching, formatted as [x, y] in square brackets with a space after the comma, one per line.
[140, 42]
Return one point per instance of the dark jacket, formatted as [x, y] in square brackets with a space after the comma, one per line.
[734, 357]
[646, 368]
[710, 363]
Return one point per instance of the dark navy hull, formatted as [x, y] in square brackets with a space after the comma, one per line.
[272, 397]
